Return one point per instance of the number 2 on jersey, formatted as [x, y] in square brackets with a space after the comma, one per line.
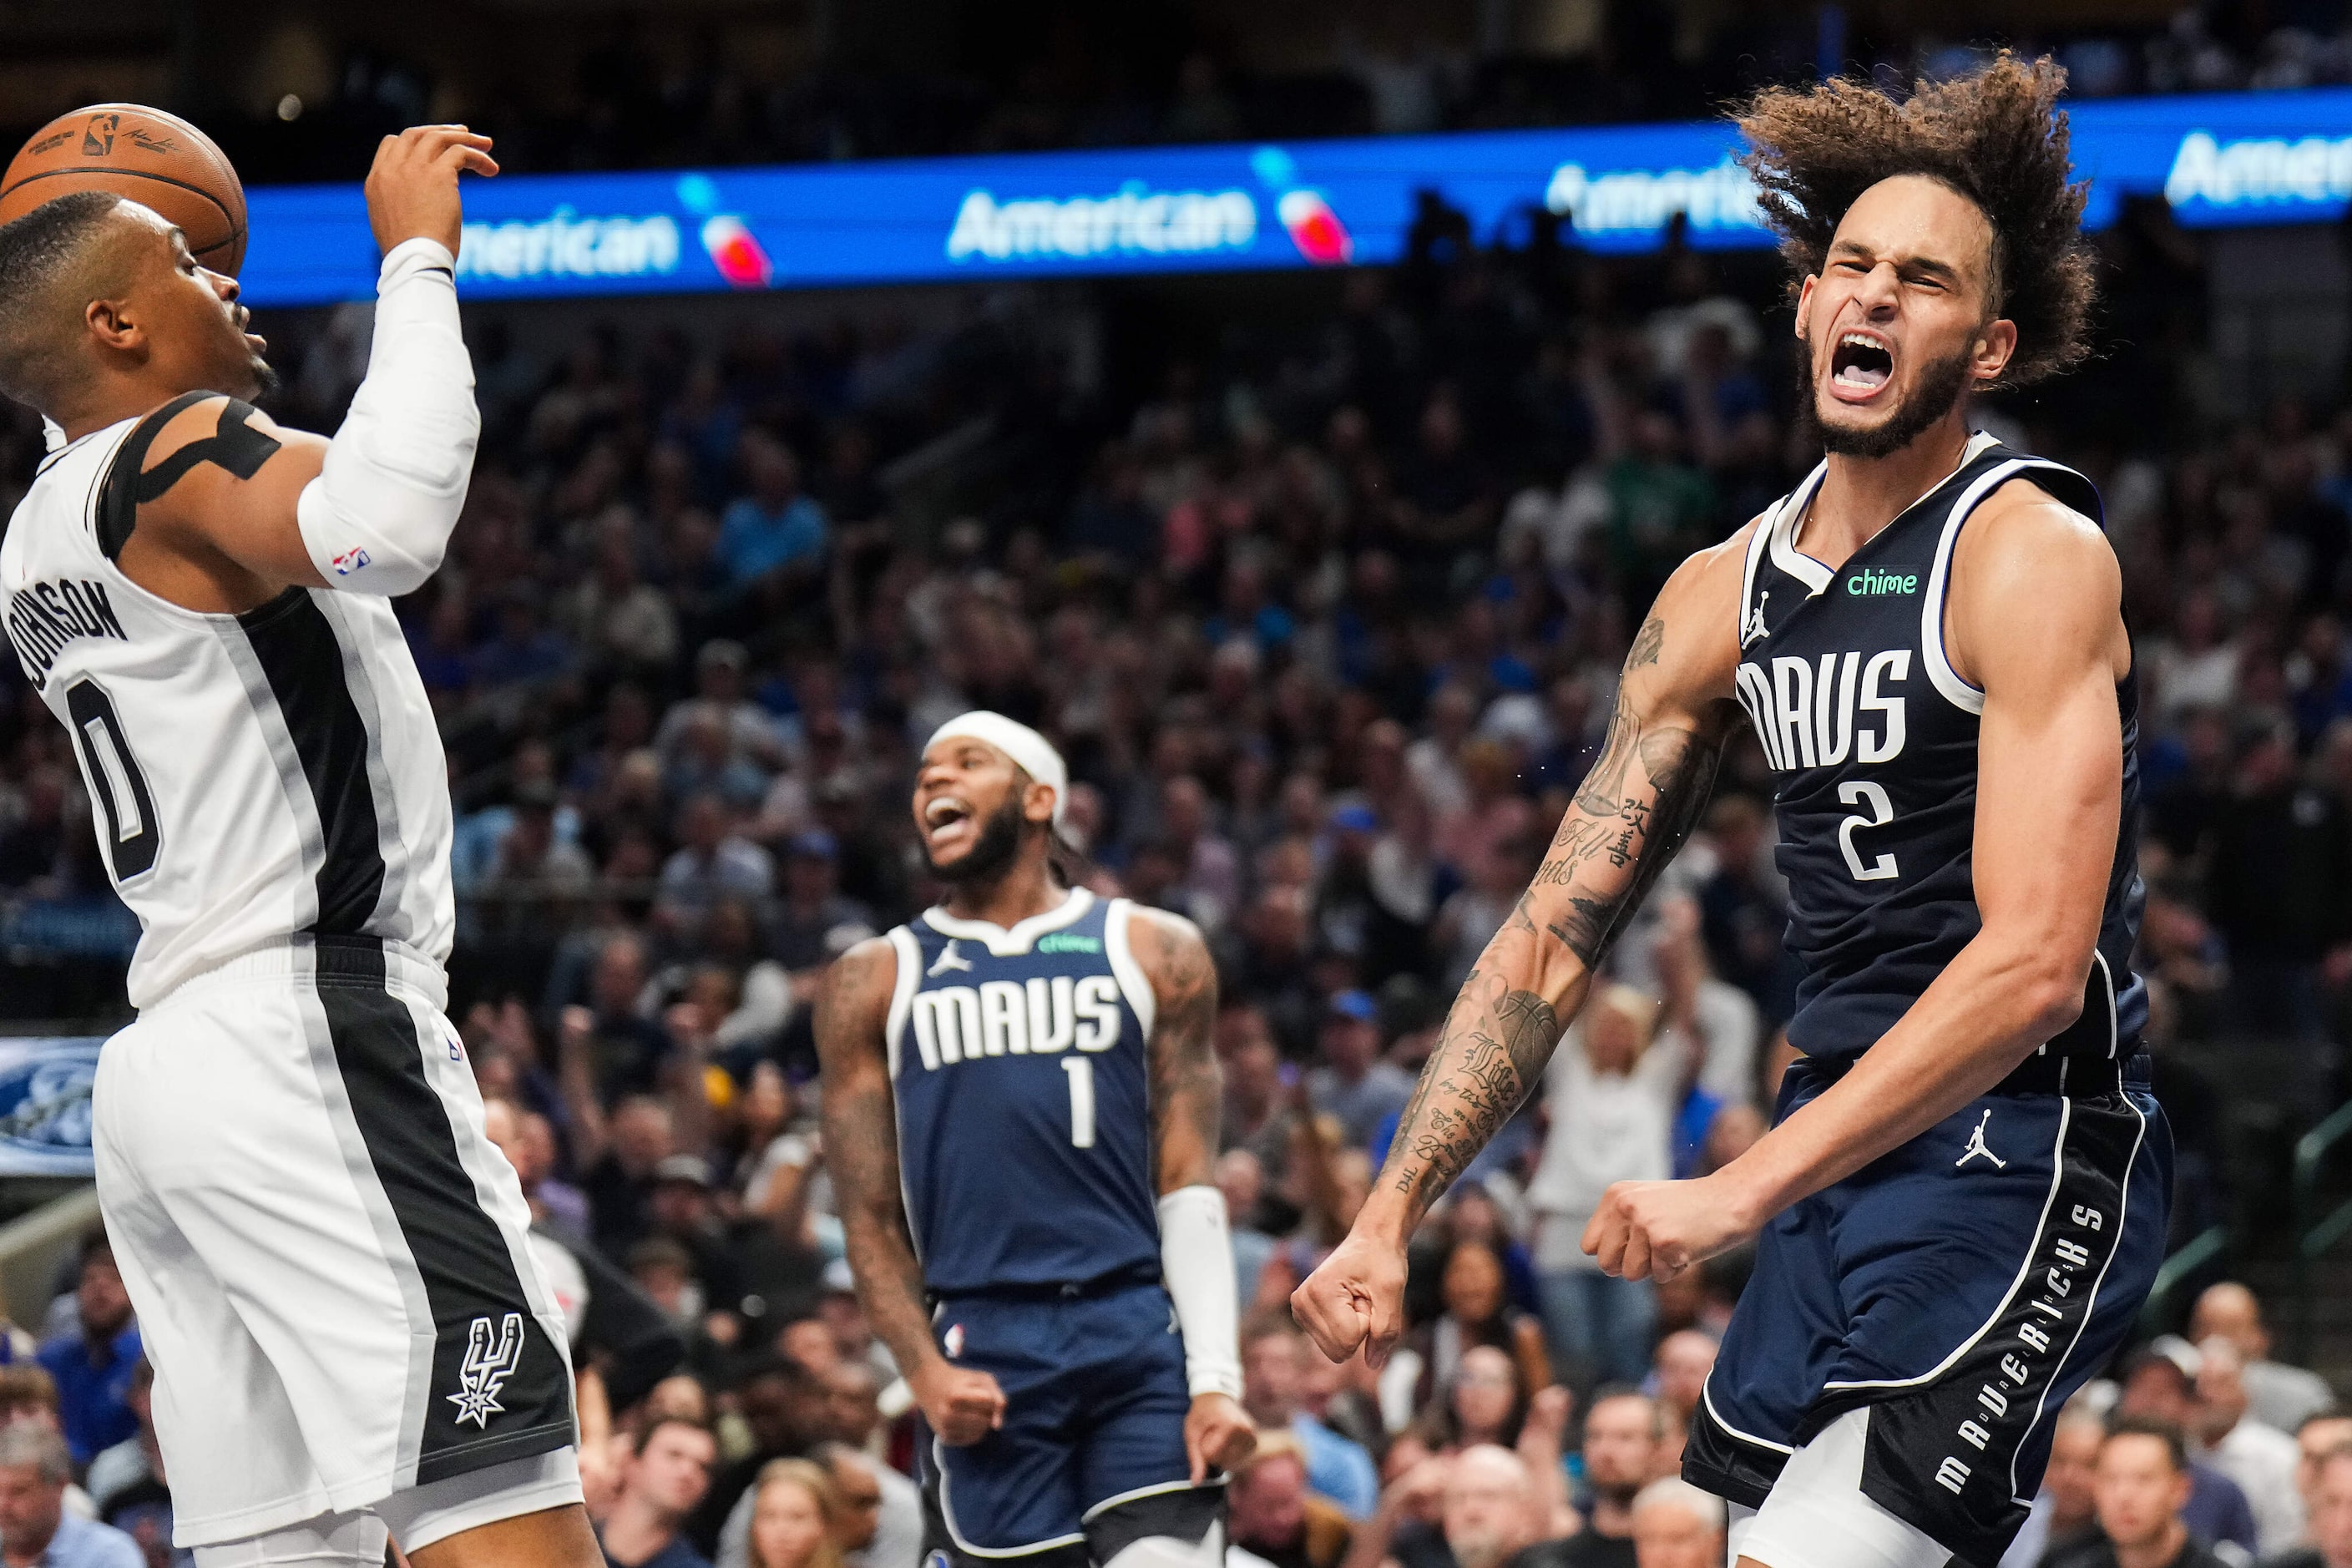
[1861, 791]
[132, 837]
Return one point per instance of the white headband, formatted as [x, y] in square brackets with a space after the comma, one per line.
[1031, 751]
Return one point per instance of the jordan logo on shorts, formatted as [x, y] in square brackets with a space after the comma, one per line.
[485, 1370]
[1977, 1145]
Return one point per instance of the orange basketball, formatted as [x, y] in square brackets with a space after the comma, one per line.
[155, 159]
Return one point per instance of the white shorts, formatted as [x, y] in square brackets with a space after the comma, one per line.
[1816, 1515]
[327, 1255]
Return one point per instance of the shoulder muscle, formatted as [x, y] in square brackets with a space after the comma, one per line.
[1175, 956]
[2034, 581]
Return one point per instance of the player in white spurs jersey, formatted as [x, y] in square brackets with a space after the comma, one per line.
[328, 1257]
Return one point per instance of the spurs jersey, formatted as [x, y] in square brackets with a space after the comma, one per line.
[253, 778]
[1872, 737]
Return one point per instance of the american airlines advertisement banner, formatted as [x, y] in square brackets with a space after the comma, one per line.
[2228, 159]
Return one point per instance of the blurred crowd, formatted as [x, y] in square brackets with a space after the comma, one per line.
[1325, 602]
[786, 1444]
[622, 90]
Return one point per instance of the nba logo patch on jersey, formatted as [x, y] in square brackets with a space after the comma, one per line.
[349, 561]
[953, 1341]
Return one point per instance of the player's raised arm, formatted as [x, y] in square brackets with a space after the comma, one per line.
[1196, 1249]
[2035, 620]
[228, 507]
[861, 1145]
[1632, 812]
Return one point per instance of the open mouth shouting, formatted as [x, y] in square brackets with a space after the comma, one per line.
[948, 825]
[1861, 364]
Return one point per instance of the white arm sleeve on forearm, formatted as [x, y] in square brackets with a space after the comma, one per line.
[379, 515]
[1196, 1259]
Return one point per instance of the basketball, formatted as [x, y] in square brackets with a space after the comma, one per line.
[155, 159]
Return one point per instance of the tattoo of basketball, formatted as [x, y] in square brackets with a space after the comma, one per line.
[1647, 643]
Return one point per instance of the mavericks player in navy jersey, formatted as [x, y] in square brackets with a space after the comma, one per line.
[1020, 1112]
[1962, 1199]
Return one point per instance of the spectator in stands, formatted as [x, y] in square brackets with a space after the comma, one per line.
[93, 1364]
[1613, 1096]
[785, 1407]
[1272, 1515]
[772, 528]
[1486, 1514]
[2141, 1489]
[1675, 1525]
[2276, 1394]
[663, 1482]
[796, 1520]
[1623, 1432]
[2159, 1385]
[35, 1530]
[1354, 1084]
[2319, 1435]
[136, 1458]
[2261, 1459]
[1274, 1372]
[2065, 1516]
[2329, 1533]
[1678, 1375]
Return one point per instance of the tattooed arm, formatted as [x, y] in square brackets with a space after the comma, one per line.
[861, 1148]
[1673, 710]
[1196, 1248]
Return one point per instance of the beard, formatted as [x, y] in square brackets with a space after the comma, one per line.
[1939, 387]
[991, 854]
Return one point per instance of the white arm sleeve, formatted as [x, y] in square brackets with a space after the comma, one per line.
[379, 515]
[1196, 1259]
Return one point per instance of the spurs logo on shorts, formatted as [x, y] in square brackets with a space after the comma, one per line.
[486, 1367]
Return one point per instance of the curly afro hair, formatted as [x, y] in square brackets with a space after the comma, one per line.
[1995, 137]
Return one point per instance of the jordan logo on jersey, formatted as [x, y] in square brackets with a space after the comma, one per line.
[1004, 1017]
[948, 959]
[1815, 715]
[486, 1367]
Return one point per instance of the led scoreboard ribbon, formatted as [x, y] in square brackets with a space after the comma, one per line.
[2224, 159]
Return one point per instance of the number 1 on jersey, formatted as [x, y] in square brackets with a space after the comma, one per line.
[1082, 1101]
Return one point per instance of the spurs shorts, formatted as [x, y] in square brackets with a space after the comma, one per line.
[1961, 1287]
[327, 1255]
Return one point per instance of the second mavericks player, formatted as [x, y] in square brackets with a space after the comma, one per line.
[1020, 1112]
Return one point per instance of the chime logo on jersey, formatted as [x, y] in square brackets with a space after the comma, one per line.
[1005, 1017]
[489, 1364]
[1813, 713]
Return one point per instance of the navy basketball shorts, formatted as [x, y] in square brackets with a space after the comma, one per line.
[1091, 1455]
[1958, 1289]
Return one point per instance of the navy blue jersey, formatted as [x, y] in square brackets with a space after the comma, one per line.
[1018, 1062]
[1872, 737]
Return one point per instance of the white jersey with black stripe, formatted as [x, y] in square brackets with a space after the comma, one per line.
[254, 778]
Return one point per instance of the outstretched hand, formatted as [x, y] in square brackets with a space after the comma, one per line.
[412, 188]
